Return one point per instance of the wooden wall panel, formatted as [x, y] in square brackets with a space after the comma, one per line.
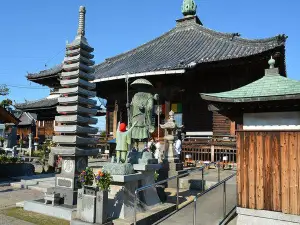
[276, 174]
[268, 175]
[221, 125]
[259, 171]
[284, 171]
[252, 170]
[239, 157]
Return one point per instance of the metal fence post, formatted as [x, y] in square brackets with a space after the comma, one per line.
[202, 179]
[224, 199]
[195, 209]
[177, 193]
[134, 209]
[219, 171]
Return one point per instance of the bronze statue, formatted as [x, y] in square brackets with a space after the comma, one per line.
[141, 108]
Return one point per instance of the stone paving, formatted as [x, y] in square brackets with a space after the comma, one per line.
[9, 196]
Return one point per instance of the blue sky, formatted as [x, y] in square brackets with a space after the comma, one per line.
[34, 32]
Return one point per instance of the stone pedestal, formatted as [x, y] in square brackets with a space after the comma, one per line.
[66, 182]
[121, 195]
[173, 166]
[92, 207]
[148, 196]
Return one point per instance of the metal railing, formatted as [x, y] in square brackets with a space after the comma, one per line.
[187, 172]
[210, 189]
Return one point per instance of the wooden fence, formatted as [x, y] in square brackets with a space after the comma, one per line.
[209, 149]
[268, 174]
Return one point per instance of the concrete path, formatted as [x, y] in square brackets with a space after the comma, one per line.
[9, 196]
[209, 208]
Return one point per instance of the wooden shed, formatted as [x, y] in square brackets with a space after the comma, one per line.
[268, 147]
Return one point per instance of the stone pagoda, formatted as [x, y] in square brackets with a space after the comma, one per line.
[76, 109]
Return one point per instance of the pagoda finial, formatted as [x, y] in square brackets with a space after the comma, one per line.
[81, 25]
[272, 63]
[189, 8]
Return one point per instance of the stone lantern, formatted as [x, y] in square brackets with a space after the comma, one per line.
[171, 158]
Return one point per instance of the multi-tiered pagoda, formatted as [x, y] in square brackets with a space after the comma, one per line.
[76, 109]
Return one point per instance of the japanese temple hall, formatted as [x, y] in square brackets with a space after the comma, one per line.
[186, 60]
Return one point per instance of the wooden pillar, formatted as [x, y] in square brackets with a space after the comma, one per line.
[107, 123]
[115, 119]
[167, 109]
[232, 128]
[212, 153]
[37, 129]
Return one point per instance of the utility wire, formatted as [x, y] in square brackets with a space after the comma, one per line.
[28, 87]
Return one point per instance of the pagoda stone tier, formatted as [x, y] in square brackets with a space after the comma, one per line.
[76, 108]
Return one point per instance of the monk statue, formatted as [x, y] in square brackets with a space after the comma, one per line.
[123, 141]
[141, 109]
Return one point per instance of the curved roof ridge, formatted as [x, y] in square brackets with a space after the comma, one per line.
[47, 72]
[236, 37]
[35, 101]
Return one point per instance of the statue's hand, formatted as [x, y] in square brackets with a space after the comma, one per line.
[141, 107]
[151, 129]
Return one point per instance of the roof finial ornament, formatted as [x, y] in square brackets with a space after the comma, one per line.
[189, 8]
[81, 25]
[272, 63]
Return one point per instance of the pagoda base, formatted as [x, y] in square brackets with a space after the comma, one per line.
[61, 211]
[72, 151]
[66, 183]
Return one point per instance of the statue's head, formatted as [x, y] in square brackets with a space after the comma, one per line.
[122, 127]
[141, 84]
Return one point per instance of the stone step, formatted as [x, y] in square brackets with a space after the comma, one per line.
[20, 204]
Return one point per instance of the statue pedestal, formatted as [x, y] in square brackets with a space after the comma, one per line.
[148, 196]
[174, 166]
[121, 195]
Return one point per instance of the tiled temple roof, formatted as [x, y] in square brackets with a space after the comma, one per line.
[27, 119]
[38, 104]
[185, 46]
[45, 73]
[270, 87]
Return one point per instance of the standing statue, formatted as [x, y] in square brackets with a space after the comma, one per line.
[141, 109]
[123, 140]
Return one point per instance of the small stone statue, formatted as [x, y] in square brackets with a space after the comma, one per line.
[123, 140]
[141, 111]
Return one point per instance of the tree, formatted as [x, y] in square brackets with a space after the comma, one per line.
[6, 103]
[4, 90]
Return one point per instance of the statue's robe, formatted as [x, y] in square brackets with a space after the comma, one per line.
[141, 114]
